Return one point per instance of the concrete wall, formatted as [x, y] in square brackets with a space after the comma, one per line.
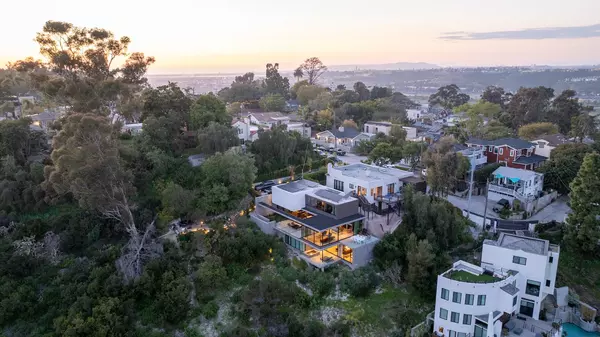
[362, 255]
[347, 209]
[291, 201]
[268, 227]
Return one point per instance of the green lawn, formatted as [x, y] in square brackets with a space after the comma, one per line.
[464, 276]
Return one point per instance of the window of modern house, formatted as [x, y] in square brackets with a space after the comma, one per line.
[551, 259]
[455, 317]
[443, 313]
[461, 334]
[451, 333]
[445, 294]
[456, 297]
[548, 283]
[467, 319]
[480, 331]
[519, 260]
[481, 300]
[338, 185]
[515, 301]
[351, 186]
[469, 298]
[391, 188]
[532, 288]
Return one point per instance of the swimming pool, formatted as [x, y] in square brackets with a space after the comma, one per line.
[575, 331]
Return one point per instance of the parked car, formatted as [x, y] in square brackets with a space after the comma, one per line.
[341, 152]
[265, 185]
[500, 205]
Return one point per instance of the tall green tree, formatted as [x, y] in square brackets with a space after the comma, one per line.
[562, 167]
[565, 107]
[274, 83]
[496, 95]
[217, 138]
[448, 97]
[421, 264]
[529, 105]
[272, 102]
[584, 125]
[83, 64]
[583, 223]
[307, 93]
[313, 68]
[208, 109]
[363, 92]
[444, 166]
[534, 130]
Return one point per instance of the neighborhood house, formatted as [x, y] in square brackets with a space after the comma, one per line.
[512, 152]
[514, 282]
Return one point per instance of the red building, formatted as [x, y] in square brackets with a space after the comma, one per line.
[512, 152]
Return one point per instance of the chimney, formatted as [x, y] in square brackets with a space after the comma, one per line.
[341, 129]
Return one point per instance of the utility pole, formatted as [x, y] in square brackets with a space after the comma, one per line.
[487, 185]
[470, 188]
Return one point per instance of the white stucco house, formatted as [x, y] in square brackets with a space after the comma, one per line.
[372, 127]
[267, 120]
[371, 182]
[246, 131]
[516, 275]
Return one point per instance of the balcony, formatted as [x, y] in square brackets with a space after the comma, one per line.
[510, 190]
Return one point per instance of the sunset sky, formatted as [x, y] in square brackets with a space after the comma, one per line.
[188, 36]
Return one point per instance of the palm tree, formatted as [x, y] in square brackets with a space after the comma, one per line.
[298, 73]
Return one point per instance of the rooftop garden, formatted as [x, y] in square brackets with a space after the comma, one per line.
[464, 276]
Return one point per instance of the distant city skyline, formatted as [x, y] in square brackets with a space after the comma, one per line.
[234, 36]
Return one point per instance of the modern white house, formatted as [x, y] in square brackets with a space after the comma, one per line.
[509, 288]
[321, 225]
[475, 155]
[372, 127]
[371, 182]
[512, 183]
[545, 144]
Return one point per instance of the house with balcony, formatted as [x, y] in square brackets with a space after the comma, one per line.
[321, 225]
[475, 155]
[511, 183]
[512, 152]
[371, 183]
[507, 290]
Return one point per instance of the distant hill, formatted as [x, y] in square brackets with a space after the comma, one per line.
[385, 66]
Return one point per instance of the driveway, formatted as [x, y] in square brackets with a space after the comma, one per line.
[556, 211]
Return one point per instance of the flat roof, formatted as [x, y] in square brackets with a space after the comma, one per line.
[371, 172]
[510, 172]
[298, 186]
[524, 243]
[318, 221]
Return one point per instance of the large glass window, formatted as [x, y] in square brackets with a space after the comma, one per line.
[445, 294]
[533, 288]
[443, 313]
[294, 243]
[338, 185]
[467, 319]
[456, 297]
[469, 298]
[481, 300]
[455, 317]
[519, 260]
[480, 331]
[391, 188]
[527, 308]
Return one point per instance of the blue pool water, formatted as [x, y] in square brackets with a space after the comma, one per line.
[575, 331]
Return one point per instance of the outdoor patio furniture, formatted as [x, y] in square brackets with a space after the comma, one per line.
[311, 252]
[510, 325]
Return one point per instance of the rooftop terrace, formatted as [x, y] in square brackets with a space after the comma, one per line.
[466, 272]
[465, 276]
[524, 243]
[371, 172]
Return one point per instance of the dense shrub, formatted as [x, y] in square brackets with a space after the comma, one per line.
[360, 282]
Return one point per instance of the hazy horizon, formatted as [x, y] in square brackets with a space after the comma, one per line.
[234, 36]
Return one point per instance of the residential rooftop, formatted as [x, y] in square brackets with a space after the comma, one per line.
[371, 173]
[379, 123]
[466, 272]
[524, 243]
[515, 143]
[511, 172]
[316, 190]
